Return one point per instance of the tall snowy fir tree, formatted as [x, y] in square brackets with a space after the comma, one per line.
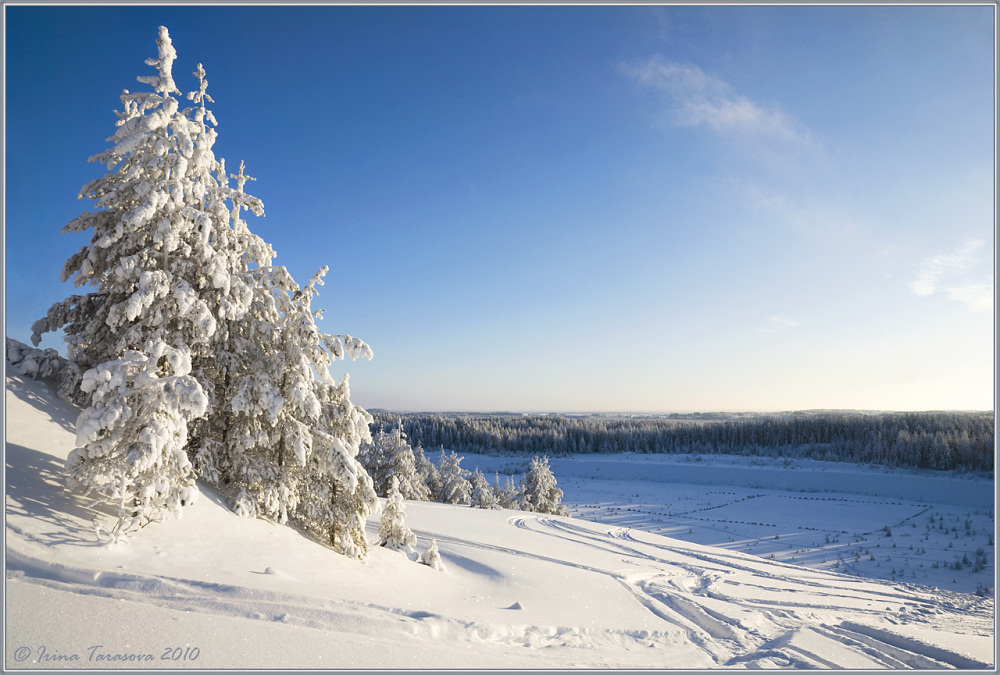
[538, 489]
[193, 346]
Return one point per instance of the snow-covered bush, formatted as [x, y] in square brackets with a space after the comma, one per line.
[393, 532]
[45, 364]
[538, 489]
[431, 557]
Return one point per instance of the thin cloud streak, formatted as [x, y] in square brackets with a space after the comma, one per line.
[698, 99]
[784, 321]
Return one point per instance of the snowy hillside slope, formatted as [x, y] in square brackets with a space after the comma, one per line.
[520, 591]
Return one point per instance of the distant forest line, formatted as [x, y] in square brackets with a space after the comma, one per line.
[929, 440]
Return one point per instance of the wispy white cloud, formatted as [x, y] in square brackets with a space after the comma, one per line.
[775, 324]
[698, 99]
[784, 321]
[949, 272]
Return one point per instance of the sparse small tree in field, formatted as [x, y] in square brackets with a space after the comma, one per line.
[427, 472]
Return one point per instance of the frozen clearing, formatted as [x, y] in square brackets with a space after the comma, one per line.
[603, 589]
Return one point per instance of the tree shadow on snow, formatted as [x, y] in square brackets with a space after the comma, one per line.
[59, 411]
[36, 489]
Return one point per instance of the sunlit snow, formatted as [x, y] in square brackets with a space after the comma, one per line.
[517, 589]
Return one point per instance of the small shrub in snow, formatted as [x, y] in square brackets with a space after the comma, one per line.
[427, 472]
[431, 557]
[508, 496]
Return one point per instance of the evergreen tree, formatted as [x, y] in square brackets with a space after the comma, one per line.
[390, 455]
[427, 472]
[508, 496]
[539, 491]
[191, 326]
[455, 488]
[159, 273]
[393, 532]
[481, 493]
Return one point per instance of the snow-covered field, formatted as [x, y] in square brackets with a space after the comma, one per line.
[650, 572]
[906, 525]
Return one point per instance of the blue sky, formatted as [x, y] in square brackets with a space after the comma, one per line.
[571, 208]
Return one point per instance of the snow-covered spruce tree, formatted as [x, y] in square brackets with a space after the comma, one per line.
[285, 407]
[508, 496]
[427, 472]
[160, 260]
[335, 493]
[481, 493]
[393, 532]
[185, 290]
[538, 489]
[455, 487]
[389, 456]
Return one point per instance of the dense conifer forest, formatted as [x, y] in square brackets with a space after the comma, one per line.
[930, 440]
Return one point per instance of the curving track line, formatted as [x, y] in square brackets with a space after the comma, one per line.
[730, 641]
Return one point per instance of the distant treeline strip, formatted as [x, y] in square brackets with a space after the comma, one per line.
[932, 440]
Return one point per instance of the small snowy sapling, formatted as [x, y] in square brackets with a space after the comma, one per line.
[431, 557]
[393, 532]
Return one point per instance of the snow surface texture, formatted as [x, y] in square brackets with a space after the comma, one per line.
[519, 590]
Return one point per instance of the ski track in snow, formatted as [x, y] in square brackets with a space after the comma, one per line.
[684, 601]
